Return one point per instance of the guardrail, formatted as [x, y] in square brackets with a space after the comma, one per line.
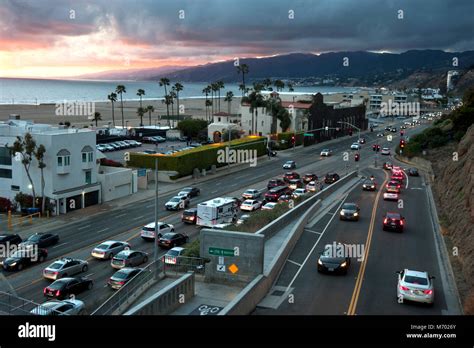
[183, 264]
[15, 305]
[131, 290]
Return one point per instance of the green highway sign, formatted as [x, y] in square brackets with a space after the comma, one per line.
[221, 252]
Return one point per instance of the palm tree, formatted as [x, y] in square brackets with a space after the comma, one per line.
[267, 83]
[140, 113]
[113, 98]
[140, 92]
[279, 84]
[242, 88]
[39, 155]
[290, 87]
[173, 97]
[243, 69]
[178, 88]
[206, 91]
[256, 100]
[228, 98]
[220, 85]
[97, 117]
[214, 89]
[168, 102]
[208, 103]
[164, 81]
[150, 109]
[120, 90]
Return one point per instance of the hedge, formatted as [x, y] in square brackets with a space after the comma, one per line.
[203, 157]
[286, 136]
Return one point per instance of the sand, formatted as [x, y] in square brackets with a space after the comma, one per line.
[46, 113]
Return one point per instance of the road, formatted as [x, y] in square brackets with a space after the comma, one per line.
[78, 238]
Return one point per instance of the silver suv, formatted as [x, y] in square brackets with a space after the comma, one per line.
[65, 267]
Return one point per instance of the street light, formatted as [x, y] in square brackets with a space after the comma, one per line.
[350, 124]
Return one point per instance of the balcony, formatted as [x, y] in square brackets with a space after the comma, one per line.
[63, 169]
[87, 165]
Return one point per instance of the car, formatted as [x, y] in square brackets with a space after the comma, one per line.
[64, 267]
[388, 128]
[325, 153]
[275, 183]
[393, 186]
[122, 277]
[269, 206]
[64, 287]
[331, 178]
[362, 141]
[24, 257]
[65, 307]
[242, 219]
[182, 138]
[173, 255]
[124, 144]
[285, 198]
[330, 261]
[393, 130]
[349, 211]
[108, 249]
[379, 135]
[195, 145]
[289, 165]
[251, 194]
[309, 177]
[129, 258]
[148, 231]
[109, 147]
[190, 192]
[413, 172]
[393, 222]
[369, 185]
[416, 286]
[397, 176]
[150, 152]
[396, 169]
[299, 192]
[385, 151]
[250, 205]
[397, 179]
[189, 216]
[115, 146]
[403, 127]
[390, 196]
[355, 146]
[177, 202]
[158, 139]
[312, 186]
[274, 194]
[9, 239]
[295, 183]
[133, 143]
[171, 240]
[387, 165]
[101, 148]
[290, 176]
[42, 240]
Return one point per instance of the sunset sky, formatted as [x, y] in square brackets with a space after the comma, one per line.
[53, 38]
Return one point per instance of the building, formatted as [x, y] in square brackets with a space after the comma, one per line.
[71, 168]
[222, 121]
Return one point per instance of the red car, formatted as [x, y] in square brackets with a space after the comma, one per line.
[393, 186]
[393, 222]
[310, 177]
[290, 176]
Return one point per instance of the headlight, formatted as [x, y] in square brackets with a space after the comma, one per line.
[356, 214]
[364, 186]
[13, 264]
[344, 264]
[342, 212]
[320, 262]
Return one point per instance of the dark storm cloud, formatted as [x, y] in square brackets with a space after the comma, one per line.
[224, 27]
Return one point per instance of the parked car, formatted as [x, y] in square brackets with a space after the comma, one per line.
[393, 222]
[189, 216]
[251, 194]
[64, 267]
[177, 202]
[108, 249]
[331, 178]
[122, 277]
[64, 287]
[190, 192]
[158, 139]
[250, 205]
[42, 240]
[289, 165]
[309, 177]
[10, 239]
[23, 257]
[129, 258]
[65, 307]
[330, 262]
[150, 152]
[171, 240]
[349, 211]
[415, 286]
[275, 183]
[148, 231]
[326, 153]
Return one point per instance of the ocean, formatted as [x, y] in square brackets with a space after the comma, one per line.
[46, 91]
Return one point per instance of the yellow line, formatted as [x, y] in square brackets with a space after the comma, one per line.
[360, 276]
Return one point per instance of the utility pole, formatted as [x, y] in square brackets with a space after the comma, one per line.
[155, 249]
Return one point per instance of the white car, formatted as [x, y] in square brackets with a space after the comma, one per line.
[148, 231]
[251, 194]
[269, 206]
[390, 196]
[380, 135]
[108, 249]
[177, 202]
[415, 286]
[385, 151]
[326, 152]
[355, 146]
[242, 219]
[312, 186]
[66, 307]
[289, 165]
[171, 257]
[299, 192]
[250, 205]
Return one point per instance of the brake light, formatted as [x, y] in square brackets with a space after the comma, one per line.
[401, 222]
[58, 293]
[121, 283]
[44, 290]
[404, 288]
[427, 292]
[385, 220]
[398, 186]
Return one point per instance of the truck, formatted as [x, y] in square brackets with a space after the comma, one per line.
[221, 210]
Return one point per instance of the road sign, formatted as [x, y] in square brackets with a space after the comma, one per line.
[221, 260]
[142, 172]
[233, 268]
[220, 268]
[221, 252]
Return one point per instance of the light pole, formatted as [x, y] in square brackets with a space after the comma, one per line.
[350, 124]
[155, 248]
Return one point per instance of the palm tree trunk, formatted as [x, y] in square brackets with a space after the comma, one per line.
[113, 115]
[253, 112]
[149, 117]
[219, 100]
[228, 107]
[121, 105]
[256, 121]
[43, 201]
[32, 186]
[177, 106]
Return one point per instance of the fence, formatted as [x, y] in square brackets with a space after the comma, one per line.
[14, 305]
[182, 264]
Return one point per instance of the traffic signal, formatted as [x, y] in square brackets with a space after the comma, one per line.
[293, 140]
[378, 148]
[356, 157]
[402, 143]
[374, 147]
[350, 132]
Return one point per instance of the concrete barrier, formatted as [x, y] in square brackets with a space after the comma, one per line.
[167, 299]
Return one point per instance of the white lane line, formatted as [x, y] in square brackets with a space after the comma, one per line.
[139, 217]
[215, 191]
[234, 184]
[314, 246]
[293, 262]
[315, 232]
[416, 188]
[103, 230]
[59, 245]
[120, 215]
[88, 275]
[150, 205]
[406, 186]
[83, 227]
[330, 213]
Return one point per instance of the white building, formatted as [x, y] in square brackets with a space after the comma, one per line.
[71, 169]
[222, 121]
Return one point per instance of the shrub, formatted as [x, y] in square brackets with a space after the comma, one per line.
[192, 249]
[24, 200]
[6, 205]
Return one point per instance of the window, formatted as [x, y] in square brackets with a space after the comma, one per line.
[88, 177]
[87, 154]
[218, 119]
[5, 156]
[6, 173]
[64, 158]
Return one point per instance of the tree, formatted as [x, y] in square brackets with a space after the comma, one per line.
[140, 113]
[267, 83]
[228, 98]
[256, 101]
[243, 69]
[25, 148]
[140, 93]
[173, 97]
[164, 81]
[113, 98]
[178, 88]
[206, 91]
[279, 84]
[234, 134]
[120, 90]
[192, 127]
[97, 118]
[150, 109]
[39, 155]
[290, 87]
[214, 89]
[219, 85]
[208, 104]
[168, 102]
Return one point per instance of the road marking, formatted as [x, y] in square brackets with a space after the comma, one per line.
[150, 205]
[83, 227]
[360, 276]
[330, 213]
[406, 186]
[315, 232]
[215, 191]
[293, 262]
[119, 215]
[139, 217]
[103, 230]
[314, 246]
[88, 275]
[416, 188]
[59, 245]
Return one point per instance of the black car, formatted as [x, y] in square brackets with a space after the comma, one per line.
[393, 222]
[275, 183]
[171, 240]
[413, 172]
[42, 240]
[333, 259]
[10, 239]
[369, 185]
[349, 211]
[120, 278]
[331, 178]
[310, 177]
[189, 216]
[387, 165]
[393, 130]
[190, 191]
[24, 257]
[64, 287]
